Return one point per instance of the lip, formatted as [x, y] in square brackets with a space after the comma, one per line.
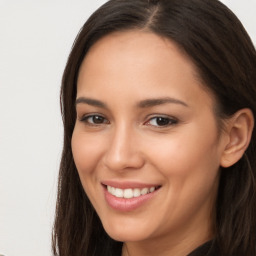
[127, 204]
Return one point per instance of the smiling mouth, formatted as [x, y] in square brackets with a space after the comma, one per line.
[130, 192]
[128, 196]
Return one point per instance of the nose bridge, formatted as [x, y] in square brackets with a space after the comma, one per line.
[123, 151]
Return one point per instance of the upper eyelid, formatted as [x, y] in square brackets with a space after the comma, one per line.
[85, 114]
[165, 117]
[155, 115]
[172, 121]
[85, 117]
[85, 120]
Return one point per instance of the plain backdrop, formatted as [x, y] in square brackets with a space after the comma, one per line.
[35, 40]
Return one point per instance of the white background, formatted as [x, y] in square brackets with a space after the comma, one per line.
[35, 40]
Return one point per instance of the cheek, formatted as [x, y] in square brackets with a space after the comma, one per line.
[86, 152]
[187, 155]
[190, 170]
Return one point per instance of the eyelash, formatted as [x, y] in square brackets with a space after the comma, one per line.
[86, 119]
[167, 121]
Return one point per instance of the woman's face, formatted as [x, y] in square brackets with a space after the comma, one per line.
[146, 143]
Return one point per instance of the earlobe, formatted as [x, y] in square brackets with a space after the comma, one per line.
[239, 131]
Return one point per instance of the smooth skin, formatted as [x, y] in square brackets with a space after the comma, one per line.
[144, 116]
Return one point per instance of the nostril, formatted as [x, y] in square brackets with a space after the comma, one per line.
[123, 162]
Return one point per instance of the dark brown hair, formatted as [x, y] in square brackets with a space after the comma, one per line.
[225, 58]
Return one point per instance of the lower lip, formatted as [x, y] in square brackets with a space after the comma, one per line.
[127, 204]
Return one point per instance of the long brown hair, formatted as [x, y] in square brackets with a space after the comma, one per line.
[225, 58]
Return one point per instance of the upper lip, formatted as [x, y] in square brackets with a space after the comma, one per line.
[128, 184]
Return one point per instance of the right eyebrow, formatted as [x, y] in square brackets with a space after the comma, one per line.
[91, 102]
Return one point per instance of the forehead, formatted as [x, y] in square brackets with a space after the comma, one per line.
[134, 47]
[140, 61]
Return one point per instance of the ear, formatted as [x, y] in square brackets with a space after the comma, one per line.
[239, 132]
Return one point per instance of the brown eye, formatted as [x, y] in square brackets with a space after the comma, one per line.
[161, 121]
[95, 120]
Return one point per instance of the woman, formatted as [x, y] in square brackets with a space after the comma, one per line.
[158, 103]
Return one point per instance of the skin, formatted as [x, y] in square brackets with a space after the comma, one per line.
[183, 156]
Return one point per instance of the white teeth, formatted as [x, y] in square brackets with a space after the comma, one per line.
[144, 191]
[113, 190]
[152, 189]
[136, 192]
[119, 192]
[129, 192]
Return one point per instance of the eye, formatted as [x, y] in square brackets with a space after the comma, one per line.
[160, 121]
[94, 120]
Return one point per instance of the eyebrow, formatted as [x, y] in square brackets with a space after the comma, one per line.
[160, 101]
[142, 104]
[92, 102]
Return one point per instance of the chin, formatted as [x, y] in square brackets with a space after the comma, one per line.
[126, 233]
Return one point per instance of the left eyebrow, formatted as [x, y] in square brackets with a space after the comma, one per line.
[159, 101]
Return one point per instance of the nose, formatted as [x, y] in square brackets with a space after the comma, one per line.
[123, 150]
